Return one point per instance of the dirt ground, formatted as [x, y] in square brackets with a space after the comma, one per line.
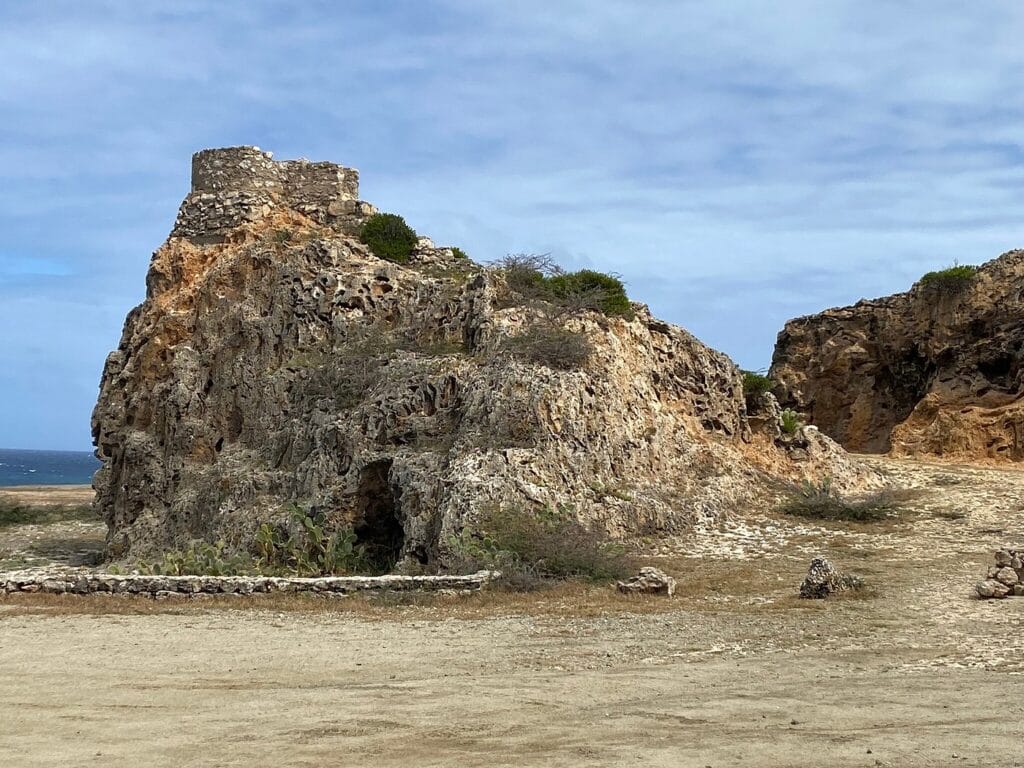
[734, 670]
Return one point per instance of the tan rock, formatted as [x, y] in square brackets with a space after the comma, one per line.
[276, 361]
[1007, 576]
[650, 581]
[990, 588]
[931, 371]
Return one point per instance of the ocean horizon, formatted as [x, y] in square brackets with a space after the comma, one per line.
[33, 467]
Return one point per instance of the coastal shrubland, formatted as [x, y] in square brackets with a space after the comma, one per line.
[949, 281]
[537, 278]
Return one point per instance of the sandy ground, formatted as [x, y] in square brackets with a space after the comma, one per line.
[733, 671]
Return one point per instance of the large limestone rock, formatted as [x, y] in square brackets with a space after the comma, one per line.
[928, 371]
[276, 361]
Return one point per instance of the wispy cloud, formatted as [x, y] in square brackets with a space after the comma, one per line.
[738, 163]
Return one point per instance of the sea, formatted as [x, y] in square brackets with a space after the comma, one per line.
[46, 467]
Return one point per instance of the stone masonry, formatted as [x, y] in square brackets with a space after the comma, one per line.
[81, 583]
[239, 185]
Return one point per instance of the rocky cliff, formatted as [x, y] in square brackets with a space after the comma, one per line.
[277, 361]
[933, 371]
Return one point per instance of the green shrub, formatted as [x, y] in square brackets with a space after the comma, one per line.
[304, 546]
[200, 558]
[791, 422]
[536, 277]
[389, 237]
[460, 254]
[821, 502]
[282, 237]
[532, 546]
[755, 384]
[526, 273]
[589, 289]
[551, 345]
[950, 281]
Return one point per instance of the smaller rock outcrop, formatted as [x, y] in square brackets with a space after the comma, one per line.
[1005, 578]
[650, 581]
[824, 579]
[934, 371]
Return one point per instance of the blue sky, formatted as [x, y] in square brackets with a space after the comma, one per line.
[738, 163]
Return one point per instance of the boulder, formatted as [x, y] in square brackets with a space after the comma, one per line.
[1007, 576]
[650, 581]
[991, 588]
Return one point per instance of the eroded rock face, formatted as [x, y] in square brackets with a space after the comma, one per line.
[276, 361]
[924, 372]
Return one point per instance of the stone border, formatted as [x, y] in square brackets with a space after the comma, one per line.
[65, 582]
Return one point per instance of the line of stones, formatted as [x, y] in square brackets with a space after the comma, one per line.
[166, 586]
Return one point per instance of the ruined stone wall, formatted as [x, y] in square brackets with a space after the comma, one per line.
[159, 587]
[240, 185]
[236, 169]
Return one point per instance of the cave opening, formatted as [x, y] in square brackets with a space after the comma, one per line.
[379, 529]
[999, 369]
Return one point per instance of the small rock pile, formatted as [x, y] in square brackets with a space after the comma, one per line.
[650, 581]
[1005, 578]
[824, 579]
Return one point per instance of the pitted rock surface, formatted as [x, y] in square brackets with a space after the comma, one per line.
[276, 361]
[919, 373]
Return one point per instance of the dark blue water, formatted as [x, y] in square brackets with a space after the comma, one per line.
[46, 467]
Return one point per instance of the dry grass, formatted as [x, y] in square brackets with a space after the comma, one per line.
[570, 599]
[20, 514]
[703, 587]
[47, 495]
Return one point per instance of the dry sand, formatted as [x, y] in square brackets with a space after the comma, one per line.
[733, 671]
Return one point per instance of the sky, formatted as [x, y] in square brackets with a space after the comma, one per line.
[738, 163]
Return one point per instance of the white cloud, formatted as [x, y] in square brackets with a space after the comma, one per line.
[738, 163]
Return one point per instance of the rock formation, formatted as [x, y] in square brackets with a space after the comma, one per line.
[276, 362]
[650, 581]
[935, 371]
[824, 579]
